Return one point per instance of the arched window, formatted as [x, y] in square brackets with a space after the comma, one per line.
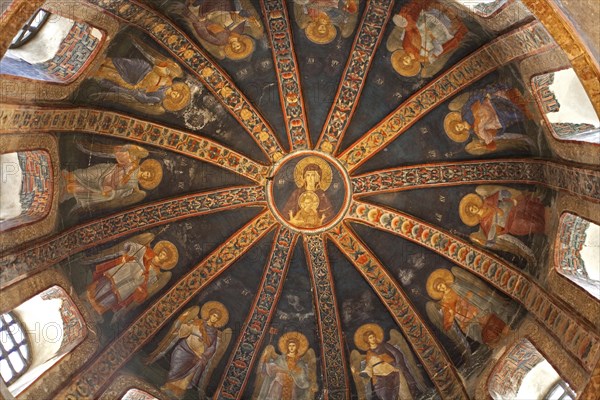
[14, 348]
[577, 252]
[30, 28]
[560, 391]
[566, 106]
[51, 48]
[44, 329]
[524, 374]
[26, 187]
[136, 394]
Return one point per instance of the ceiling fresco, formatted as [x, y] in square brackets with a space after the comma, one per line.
[305, 199]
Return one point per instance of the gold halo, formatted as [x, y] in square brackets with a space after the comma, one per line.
[325, 177]
[156, 174]
[405, 70]
[246, 49]
[450, 122]
[172, 254]
[171, 104]
[466, 216]
[220, 307]
[297, 337]
[320, 38]
[359, 335]
[440, 274]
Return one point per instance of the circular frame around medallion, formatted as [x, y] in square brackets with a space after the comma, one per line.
[345, 180]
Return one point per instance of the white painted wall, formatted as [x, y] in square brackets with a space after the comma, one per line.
[538, 382]
[575, 105]
[10, 186]
[45, 43]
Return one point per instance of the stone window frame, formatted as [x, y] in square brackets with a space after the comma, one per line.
[25, 91]
[54, 378]
[30, 231]
[124, 382]
[25, 341]
[548, 346]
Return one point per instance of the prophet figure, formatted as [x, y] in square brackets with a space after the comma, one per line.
[387, 370]
[146, 83]
[308, 205]
[489, 114]
[465, 307]
[503, 213]
[425, 35]
[109, 185]
[198, 345]
[227, 29]
[290, 375]
[127, 274]
[319, 18]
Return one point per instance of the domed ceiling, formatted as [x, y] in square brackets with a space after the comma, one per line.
[269, 200]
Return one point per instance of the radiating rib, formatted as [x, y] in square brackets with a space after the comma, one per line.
[577, 181]
[18, 265]
[90, 381]
[210, 74]
[245, 353]
[523, 42]
[433, 357]
[333, 361]
[27, 119]
[580, 340]
[368, 38]
[288, 75]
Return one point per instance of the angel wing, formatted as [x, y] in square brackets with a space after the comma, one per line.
[394, 41]
[507, 243]
[478, 148]
[398, 341]
[459, 101]
[311, 361]
[222, 345]
[268, 354]
[128, 100]
[301, 15]
[254, 26]
[433, 68]
[163, 279]
[434, 312]
[118, 249]
[173, 335]
[483, 296]
[97, 149]
[363, 384]
[488, 190]
[153, 55]
[136, 196]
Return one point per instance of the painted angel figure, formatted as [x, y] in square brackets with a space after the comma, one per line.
[425, 35]
[387, 370]
[145, 83]
[465, 307]
[320, 19]
[488, 114]
[290, 374]
[110, 185]
[226, 28]
[503, 213]
[128, 274]
[198, 345]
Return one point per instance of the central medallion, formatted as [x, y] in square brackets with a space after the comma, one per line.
[309, 191]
